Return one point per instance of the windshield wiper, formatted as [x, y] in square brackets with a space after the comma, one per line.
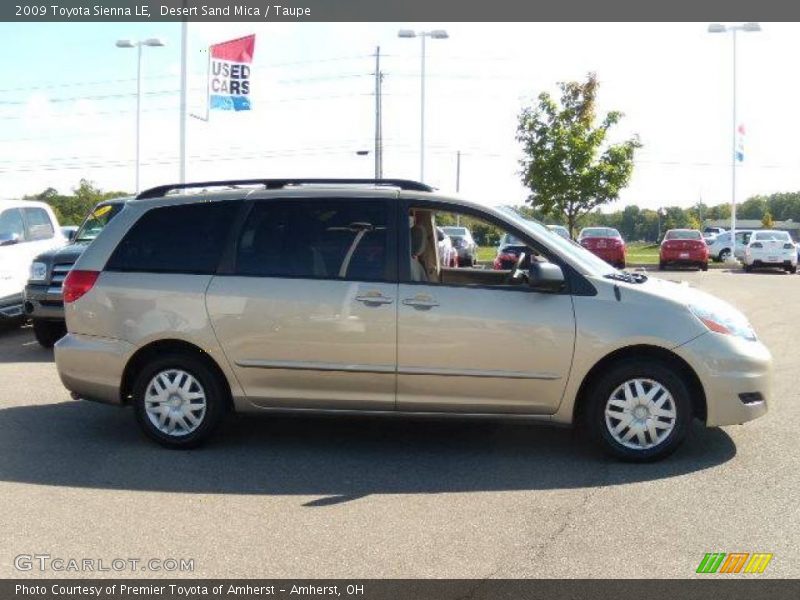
[627, 277]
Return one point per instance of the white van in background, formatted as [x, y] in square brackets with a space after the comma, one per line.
[27, 229]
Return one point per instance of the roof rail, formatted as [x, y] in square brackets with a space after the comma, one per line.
[276, 184]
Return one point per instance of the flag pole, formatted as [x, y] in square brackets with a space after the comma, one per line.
[182, 150]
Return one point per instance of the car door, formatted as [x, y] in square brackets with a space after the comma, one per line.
[467, 342]
[307, 314]
[742, 239]
[15, 256]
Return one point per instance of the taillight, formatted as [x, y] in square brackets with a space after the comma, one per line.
[77, 283]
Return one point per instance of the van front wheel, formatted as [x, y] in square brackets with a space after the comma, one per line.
[639, 411]
[179, 401]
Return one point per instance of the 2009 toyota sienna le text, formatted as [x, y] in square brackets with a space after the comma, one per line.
[315, 295]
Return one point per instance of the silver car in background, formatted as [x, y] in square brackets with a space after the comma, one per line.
[328, 296]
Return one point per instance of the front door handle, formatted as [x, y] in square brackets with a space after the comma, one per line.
[374, 299]
[420, 302]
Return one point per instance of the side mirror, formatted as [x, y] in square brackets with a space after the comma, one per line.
[71, 233]
[9, 239]
[546, 277]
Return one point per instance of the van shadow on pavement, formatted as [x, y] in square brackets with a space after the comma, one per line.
[338, 459]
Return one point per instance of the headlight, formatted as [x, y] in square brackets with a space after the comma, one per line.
[38, 271]
[724, 319]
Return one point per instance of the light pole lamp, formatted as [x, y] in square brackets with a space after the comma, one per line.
[436, 34]
[152, 42]
[733, 29]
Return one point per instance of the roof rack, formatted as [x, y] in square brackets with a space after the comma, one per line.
[277, 184]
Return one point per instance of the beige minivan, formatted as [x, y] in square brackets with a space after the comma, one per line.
[328, 296]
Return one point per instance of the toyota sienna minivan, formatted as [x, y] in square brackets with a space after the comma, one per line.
[312, 296]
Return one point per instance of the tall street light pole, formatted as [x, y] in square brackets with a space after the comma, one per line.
[436, 34]
[152, 42]
[733, 29]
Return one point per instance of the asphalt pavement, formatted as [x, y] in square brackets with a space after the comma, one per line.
[331, 497]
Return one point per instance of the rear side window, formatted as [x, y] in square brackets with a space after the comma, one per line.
[12, 225]
[187, 238]
[40, 227]
[311, 239]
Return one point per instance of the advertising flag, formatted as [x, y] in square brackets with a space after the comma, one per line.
[229, 74]
[740, 143]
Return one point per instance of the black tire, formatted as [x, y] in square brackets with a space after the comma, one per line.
[210, 384]
[621, 265]
[748, 269]
[704, 266]
[661, 266]
[792, 269]
[47, 333]
[600, 393]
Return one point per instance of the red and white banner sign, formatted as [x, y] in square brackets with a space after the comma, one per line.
[229, 74]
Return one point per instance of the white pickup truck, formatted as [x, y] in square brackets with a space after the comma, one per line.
[27, 229]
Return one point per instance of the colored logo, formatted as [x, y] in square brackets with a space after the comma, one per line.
[734, 562]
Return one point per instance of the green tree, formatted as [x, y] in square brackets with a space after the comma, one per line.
[71, 210]
[568, 165]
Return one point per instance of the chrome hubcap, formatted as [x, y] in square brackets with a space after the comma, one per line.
[640, 414]
[175, 402]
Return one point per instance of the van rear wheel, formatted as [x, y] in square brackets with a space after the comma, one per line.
[639, 411]
[179, 401]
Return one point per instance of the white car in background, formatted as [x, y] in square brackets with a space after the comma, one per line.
[26, 230]
[448, 255]
[560, 230]
[770, 248]
[720, 249]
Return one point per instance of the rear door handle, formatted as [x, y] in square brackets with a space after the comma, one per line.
[420, 302]
[376, 299]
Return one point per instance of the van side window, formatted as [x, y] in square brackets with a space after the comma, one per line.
[11, 224]
[434, 258]
[315, 239]
[40, 227]
[186, 238]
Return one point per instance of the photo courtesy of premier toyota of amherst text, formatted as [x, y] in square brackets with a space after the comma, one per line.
[424, 300]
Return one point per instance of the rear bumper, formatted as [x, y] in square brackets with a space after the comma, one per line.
[736, 376]
[42, 303]
[612, 256]
[763, 261]
[92, 367]
[689, 258]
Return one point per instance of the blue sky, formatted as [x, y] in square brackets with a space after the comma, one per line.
[67, 104]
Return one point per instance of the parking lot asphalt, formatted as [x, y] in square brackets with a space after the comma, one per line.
[325, 497]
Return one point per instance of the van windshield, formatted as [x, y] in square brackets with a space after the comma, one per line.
[573, 251]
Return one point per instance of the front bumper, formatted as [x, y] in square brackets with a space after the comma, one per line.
[43, 301]
[91, 367]
[735, 374]
[11, 307]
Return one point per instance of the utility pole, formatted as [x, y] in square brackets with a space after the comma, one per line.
[458, 171]
[378, 116]
[458, 181]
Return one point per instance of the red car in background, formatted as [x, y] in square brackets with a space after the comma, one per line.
[605, 242]
[683, 247]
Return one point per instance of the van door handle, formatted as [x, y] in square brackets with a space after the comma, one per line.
[374, 299]
[420, 302]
